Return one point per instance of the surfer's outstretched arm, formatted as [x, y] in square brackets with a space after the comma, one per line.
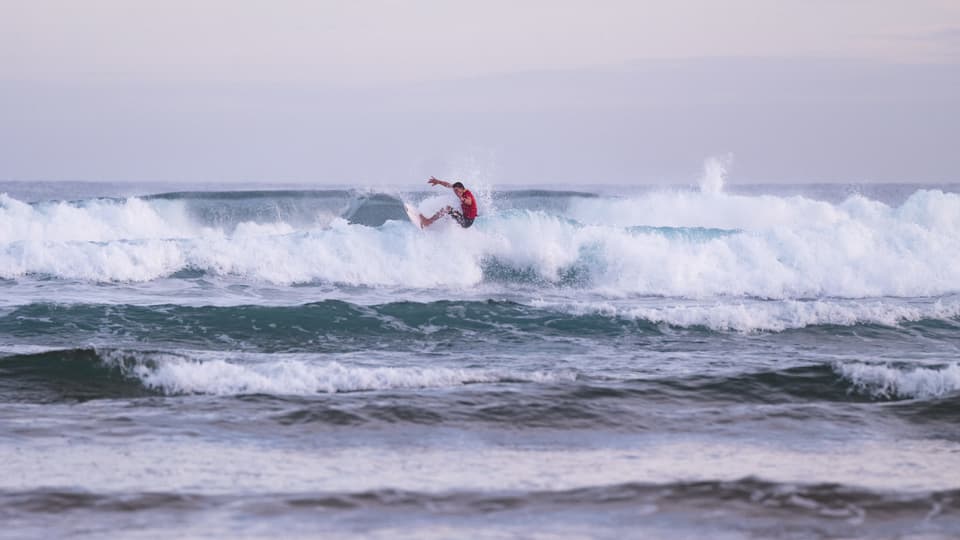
[437, 182]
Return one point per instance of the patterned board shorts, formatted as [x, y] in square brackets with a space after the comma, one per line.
[458, 215]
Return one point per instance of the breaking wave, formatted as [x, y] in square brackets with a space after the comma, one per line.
[661, 243]
[891, 382]
[94, 373]
[89, 373]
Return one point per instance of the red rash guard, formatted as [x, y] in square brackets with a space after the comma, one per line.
[469, 210]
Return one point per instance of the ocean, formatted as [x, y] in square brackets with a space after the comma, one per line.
[226, 361]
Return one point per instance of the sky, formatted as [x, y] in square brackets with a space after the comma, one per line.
[520, 92]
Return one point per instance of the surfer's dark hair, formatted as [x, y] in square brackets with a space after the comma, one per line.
[458, 184]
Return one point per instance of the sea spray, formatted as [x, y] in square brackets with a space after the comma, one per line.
[714, 175]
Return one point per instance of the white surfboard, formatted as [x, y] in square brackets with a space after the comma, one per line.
[413, 214]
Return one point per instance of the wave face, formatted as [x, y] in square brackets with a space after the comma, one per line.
[495, 328]
[664, 243]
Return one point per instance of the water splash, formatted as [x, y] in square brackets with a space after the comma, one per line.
[714, 176]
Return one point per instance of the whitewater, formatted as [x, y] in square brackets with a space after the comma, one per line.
[585, 361]
[671, 243]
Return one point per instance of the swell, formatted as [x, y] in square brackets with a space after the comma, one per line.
[327, 326]
[666, 405]
[334, 325]
[495, 394]
[745, 498]
[229, 210]
[524, 194]
[66, 376]
[268, 194]
[88, 373]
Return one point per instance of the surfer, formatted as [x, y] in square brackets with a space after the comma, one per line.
[468, 205]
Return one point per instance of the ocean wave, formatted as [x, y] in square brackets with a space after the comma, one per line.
[328, 326]
[89, 373]
[660, 243]
[564, 395]
[753, 497]
[253, 194]
[338, 326]
[911, 382]
[174, 374]
[65, 375]
[775, 316]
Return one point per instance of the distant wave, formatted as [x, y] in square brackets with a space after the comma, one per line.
[681, 244]
[264, 194]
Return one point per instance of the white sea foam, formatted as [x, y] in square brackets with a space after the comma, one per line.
[178, 374]
[778, 247]
[780, 315]
[892, 382]
[94, 221]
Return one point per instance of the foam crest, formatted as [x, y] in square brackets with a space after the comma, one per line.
[790, 247]
[773, 316]
[174, 374]
[97, 220]
[884, 381]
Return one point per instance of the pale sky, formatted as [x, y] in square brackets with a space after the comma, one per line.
[522, 91]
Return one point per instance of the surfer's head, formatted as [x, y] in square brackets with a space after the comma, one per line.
[458, 188]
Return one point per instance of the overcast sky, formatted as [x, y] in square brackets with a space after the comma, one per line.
[517, 92]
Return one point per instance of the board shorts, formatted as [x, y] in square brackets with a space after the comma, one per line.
[458, 216]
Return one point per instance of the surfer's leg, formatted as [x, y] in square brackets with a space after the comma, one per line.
[427, 221]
